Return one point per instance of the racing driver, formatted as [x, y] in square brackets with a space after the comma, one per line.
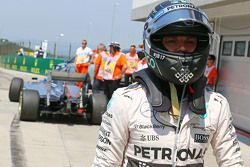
[167, 118]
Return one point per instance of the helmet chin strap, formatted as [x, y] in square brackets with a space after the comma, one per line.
[158, 95]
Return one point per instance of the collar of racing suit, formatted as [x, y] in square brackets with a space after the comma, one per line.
[158, 93]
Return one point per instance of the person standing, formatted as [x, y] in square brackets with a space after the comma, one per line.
[83, 57]
[142, 64]
[114, 69]
[20, 52]
[167, 118]
[132, 61]
[100, 60]
[211, 72]
[40, 53]
[82, 60]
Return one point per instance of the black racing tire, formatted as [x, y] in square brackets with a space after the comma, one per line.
[88, 80]
[16, 87]
[85, 90]
[29, 105]
[96, 107]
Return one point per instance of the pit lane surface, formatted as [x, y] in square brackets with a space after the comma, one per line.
[57, 142]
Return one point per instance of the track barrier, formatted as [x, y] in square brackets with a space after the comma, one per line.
[29, 64]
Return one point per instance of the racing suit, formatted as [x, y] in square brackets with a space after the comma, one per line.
[132, 134]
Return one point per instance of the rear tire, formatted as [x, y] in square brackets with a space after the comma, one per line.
[85, 90]
[16, 87]
[88, 80]
[29, 105]
[96, 107]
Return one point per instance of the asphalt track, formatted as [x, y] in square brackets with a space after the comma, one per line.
[55, 141]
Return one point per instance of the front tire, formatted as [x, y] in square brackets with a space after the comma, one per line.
[29, 105]
[16, 87]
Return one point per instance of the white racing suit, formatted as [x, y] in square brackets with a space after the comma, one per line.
[133, 135]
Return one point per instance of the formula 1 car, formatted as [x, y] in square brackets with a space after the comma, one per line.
[58, 94]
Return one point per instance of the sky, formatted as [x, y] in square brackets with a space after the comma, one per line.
[35, 21]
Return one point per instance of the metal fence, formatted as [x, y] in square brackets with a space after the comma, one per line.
[55, 49]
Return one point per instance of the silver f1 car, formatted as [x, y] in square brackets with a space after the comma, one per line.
[58, 94]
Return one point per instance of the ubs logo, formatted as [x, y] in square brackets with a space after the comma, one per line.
[149, 137]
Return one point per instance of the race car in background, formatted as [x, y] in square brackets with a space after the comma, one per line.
[58, 94]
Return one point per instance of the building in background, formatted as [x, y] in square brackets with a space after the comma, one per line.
[230, 20]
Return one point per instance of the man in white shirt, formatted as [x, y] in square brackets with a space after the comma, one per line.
[83, 57]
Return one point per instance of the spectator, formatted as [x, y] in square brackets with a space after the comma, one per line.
[168, 118]
[211, 72]
[20, 52]
[100, 60]
[141, 46]
[142, 64]
[114, 69]
[132, 61]
[40, 53]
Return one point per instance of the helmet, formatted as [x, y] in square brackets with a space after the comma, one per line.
[177, 17]
[115, 45]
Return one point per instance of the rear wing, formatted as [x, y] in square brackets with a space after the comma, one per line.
[68, 76]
